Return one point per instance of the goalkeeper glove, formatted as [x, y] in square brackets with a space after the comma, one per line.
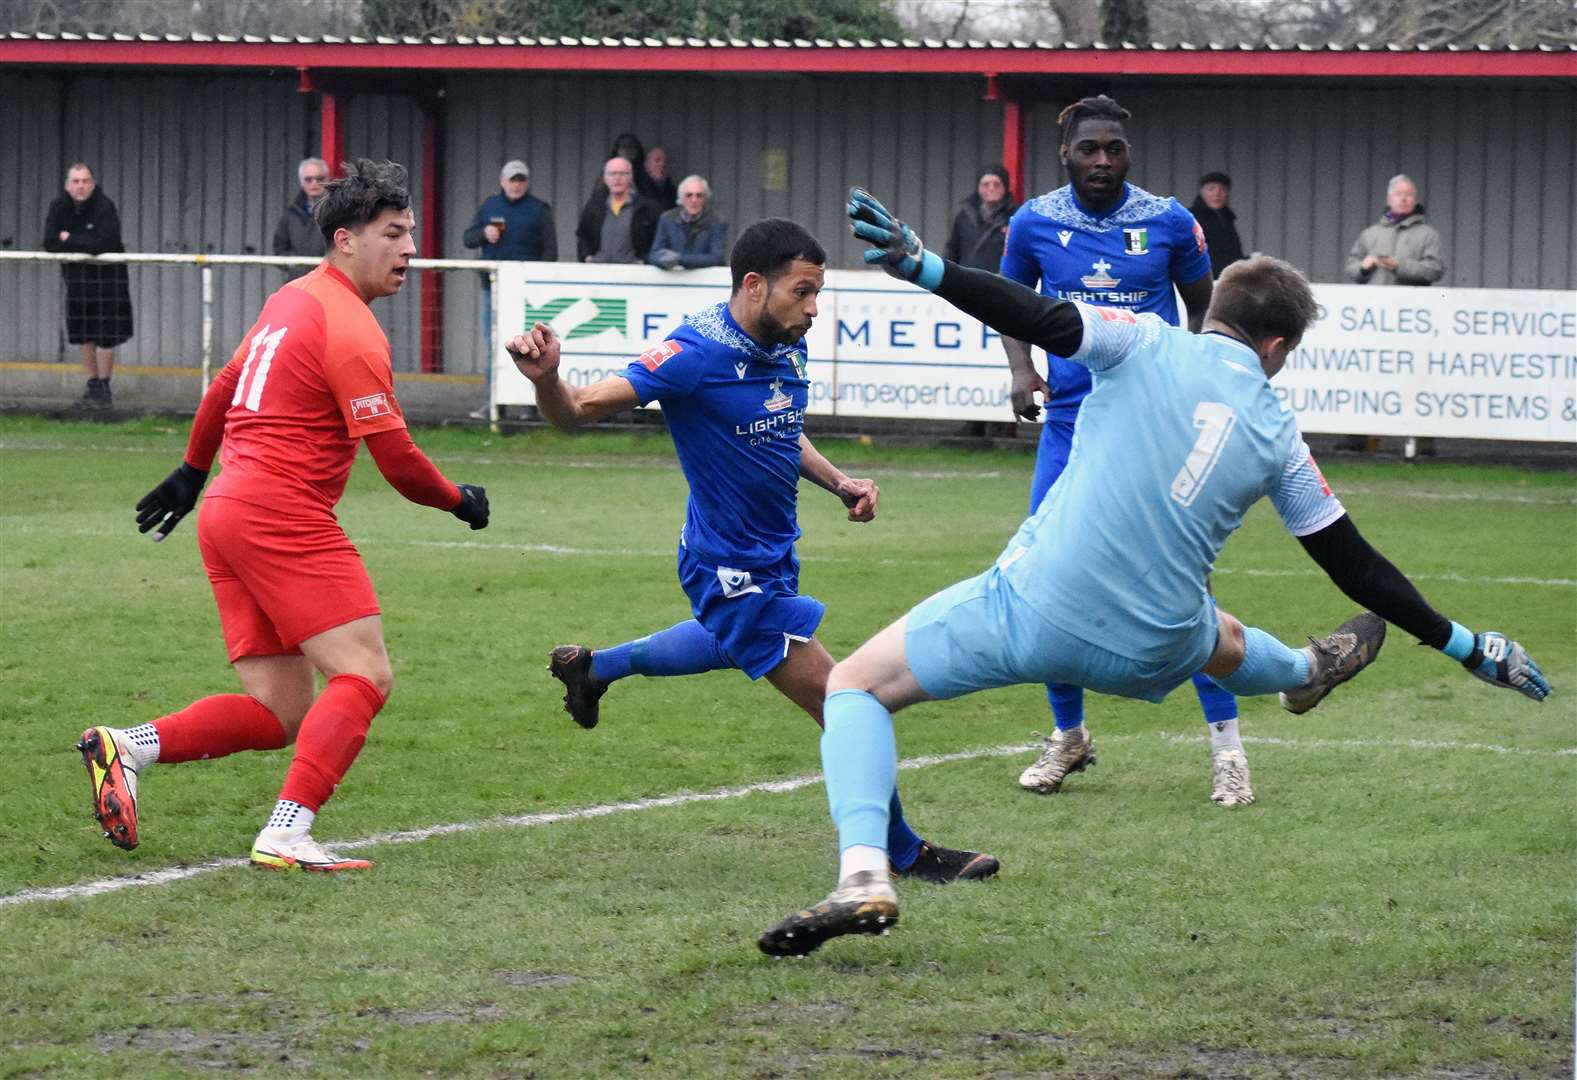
[1499, 661]
[172, 500]
[894, 245]
[473, 506]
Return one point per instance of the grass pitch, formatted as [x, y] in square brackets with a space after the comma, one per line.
[1399, 903]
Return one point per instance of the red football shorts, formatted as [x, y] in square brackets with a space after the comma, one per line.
[279, 579]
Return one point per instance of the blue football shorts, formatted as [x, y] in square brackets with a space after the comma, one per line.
[753, 613]
[979, 634]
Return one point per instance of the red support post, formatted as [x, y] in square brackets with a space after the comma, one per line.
[332, 123]
[1013, 144]
[430, 228]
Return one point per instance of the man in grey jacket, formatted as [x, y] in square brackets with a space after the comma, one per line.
[1401, 248]
[296, 233]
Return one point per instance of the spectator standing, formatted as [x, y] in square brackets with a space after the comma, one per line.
[1401, 248]
[661, 187]
[511, 225]
[514, 224]
[84, 221]
[690, 236]
[619, 226]
[980, 228]
[296, 233]
[1218, 220]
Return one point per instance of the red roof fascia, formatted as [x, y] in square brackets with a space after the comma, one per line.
[962, 60]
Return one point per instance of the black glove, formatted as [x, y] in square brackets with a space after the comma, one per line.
[473, 506]
[172, 500]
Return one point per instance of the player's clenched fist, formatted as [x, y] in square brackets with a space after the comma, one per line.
[860, 497]
[536, 352]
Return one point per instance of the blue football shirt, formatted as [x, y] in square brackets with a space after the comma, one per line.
[1127, 257]
[1181, 435]
[735, 410]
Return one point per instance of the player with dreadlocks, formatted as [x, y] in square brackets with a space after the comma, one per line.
[1101, 240]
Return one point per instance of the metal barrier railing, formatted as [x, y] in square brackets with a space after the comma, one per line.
[420, 322]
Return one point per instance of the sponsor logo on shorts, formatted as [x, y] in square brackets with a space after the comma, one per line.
[654, 357]
[370, 407]
[1117, 315]
[735, 582]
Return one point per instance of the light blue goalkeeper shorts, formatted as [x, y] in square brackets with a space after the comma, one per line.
[979, 635]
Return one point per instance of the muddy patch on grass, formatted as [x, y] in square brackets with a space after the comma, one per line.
[774, 1012]
[484, 1013]
[202, 1049]
[537, 980]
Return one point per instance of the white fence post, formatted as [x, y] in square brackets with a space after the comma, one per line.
[208, 325]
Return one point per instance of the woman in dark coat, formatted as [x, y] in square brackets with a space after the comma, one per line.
[980, 228]
[83, 220]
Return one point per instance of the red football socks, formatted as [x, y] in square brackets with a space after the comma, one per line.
[330, 738]
[216, 726]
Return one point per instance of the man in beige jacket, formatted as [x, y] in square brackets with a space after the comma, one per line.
[1401, 248]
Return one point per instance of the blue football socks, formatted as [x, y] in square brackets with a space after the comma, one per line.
[903, 844]
[1268, 666]
[1216, 702]
[859, 758]
[687, 648]
[1067, 704]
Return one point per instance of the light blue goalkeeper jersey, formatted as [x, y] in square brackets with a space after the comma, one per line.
[1179, 436]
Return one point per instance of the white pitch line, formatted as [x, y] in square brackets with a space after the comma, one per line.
[550, 817]
[774, 787]
[1377, 744]
[667, 464]
[1449, 576]
[668, 553]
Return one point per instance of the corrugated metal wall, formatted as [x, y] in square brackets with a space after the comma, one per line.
[1496, 168]
[192, 164]
[32, 172]
[207, 164]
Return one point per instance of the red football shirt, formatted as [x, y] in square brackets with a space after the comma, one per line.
[312, 378]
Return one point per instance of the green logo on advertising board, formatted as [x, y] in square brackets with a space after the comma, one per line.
[588, 315]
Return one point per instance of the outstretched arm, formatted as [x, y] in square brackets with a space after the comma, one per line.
[857, 494]
[1006, 306]
[1316, 517]
[536, 355]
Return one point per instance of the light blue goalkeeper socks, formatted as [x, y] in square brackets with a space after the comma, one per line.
[859, 757]
[1268, 666]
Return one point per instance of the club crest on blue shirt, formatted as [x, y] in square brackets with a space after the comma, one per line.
[1136, 241]
[797, 358]
[779, 400]
[1100, 279]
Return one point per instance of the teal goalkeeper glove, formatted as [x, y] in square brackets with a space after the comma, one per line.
[1499, 661]
[895, 247]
